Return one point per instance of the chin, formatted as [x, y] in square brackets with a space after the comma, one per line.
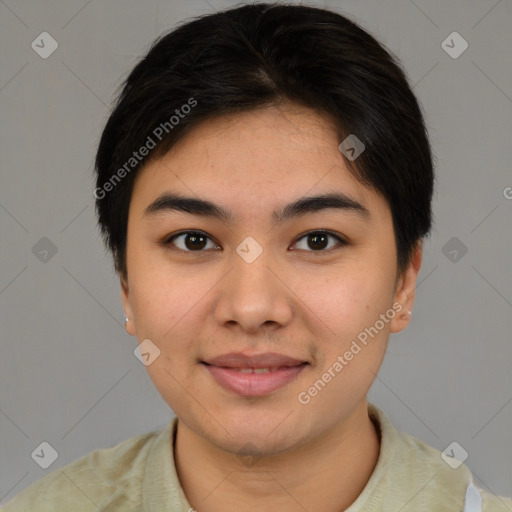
[256, 443]
[266, 433]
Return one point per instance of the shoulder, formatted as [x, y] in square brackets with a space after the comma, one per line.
[491, 503]
[417, 461]
[452, 474]
[94, 482]
[427, 478]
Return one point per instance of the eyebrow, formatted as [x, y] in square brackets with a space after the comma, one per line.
[168, 202]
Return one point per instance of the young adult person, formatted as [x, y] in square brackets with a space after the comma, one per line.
[264, 184]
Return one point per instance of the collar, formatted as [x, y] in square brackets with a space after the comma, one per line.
[409, 475]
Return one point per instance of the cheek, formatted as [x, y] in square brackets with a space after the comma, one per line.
[166, 310]
[347, 300]
[155, 299]
[167, 304]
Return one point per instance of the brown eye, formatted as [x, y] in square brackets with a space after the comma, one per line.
[191, 241]
[318, 241]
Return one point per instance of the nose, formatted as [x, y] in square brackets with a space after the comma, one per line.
[254, 296]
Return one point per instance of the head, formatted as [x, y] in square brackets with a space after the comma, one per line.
[240, 220]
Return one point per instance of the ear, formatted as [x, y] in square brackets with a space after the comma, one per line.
[405, 290]
[127, 306]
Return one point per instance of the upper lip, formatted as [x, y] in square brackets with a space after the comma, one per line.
[266, 360]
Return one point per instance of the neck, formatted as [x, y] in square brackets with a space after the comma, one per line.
[326, 475]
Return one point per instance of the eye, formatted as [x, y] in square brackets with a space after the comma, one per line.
[319, 241]
[191, 241]
[197, 241]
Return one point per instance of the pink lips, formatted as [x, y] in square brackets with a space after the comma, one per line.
[256, 375]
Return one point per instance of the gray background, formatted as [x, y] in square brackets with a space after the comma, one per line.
[68, 375]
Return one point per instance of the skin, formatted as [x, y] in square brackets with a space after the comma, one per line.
[271, 452]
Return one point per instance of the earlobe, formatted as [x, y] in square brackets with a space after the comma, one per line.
[405, 292]
[128, 314]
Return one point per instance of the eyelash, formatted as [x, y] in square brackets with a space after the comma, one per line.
[168, 242]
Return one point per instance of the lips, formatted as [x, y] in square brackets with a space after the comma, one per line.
[256, 375]
[243, 361]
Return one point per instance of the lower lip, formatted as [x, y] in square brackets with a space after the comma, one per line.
[253, 384]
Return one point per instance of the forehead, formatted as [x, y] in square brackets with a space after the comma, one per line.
[254, 160]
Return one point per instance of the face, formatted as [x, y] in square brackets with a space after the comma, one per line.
[307, 293]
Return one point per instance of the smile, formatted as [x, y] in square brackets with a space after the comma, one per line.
[254, 382]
